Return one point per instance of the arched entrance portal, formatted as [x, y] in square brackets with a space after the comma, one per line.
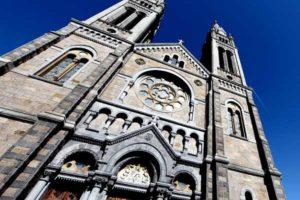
[135, 175]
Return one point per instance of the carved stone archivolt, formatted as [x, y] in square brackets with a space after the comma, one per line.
[134, 173]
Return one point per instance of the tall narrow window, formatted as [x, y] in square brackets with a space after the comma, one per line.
[235, 120]
[239, 124]
[135, 21]
[166, 132]
[123, 16]
[179, 141]
[193, 144]
[181, 64]
[229, 60]
[66, 66]
[230, 121]
[167, 58]
[221, 57]
[174, 60]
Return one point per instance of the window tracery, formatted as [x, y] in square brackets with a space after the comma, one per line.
[66, 66]
[162, 94]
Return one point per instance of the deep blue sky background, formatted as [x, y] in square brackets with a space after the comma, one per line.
[265, 31]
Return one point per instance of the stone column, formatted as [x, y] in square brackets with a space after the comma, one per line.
[128, 20]
[85, 195]
[186, 144]
[38, 189]
[142, 27]
[108, 123]
[173, 134]
[126, 126]
[105, 12]
[103, 194]
[115, 14]
[125, 92]
[90, 118]
[95, 192]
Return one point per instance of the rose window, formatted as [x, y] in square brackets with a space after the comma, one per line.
[161, 94]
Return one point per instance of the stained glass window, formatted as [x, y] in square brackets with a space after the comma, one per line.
[66, 66]
[162, 94]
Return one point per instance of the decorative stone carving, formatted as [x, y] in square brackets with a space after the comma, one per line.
[134, 173]
[183, 187]
[140, 61]
[198, 82]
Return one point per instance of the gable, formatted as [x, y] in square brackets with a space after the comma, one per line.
[148, 134]
[160, 51]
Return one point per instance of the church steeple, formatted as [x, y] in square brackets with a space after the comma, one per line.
[221, 56]
[134, 20]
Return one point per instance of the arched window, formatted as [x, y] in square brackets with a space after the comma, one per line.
[66, 66]
[221, 57]
[80, 163]
[193, 145]
[230, 121]
[135, 125]
[124, 16]
[248, 196]
[100, 120]
[179, 141]
[174, 60]
[135, 21]
[184, 183]
[181, 64]
[166, 132]
[239, 124]
[118, 123]
[230, 61]
[167, 58]
[235, 120]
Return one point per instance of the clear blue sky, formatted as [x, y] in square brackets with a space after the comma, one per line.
[265, 31]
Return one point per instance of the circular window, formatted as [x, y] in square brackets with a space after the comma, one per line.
[111, 30]
[161, 94]
[229, 77]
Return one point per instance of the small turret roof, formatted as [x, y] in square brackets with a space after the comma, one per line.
[220, 30]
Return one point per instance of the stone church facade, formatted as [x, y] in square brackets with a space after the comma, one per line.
[96, 111]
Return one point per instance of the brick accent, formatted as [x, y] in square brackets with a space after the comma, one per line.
[28, 50]
[14, 159]
[40, 133]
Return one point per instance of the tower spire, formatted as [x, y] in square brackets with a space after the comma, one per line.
[221, 56]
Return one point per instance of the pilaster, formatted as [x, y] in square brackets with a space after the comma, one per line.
[272, 175]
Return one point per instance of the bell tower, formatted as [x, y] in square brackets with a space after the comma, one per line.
[221, 55]
[134, 20]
